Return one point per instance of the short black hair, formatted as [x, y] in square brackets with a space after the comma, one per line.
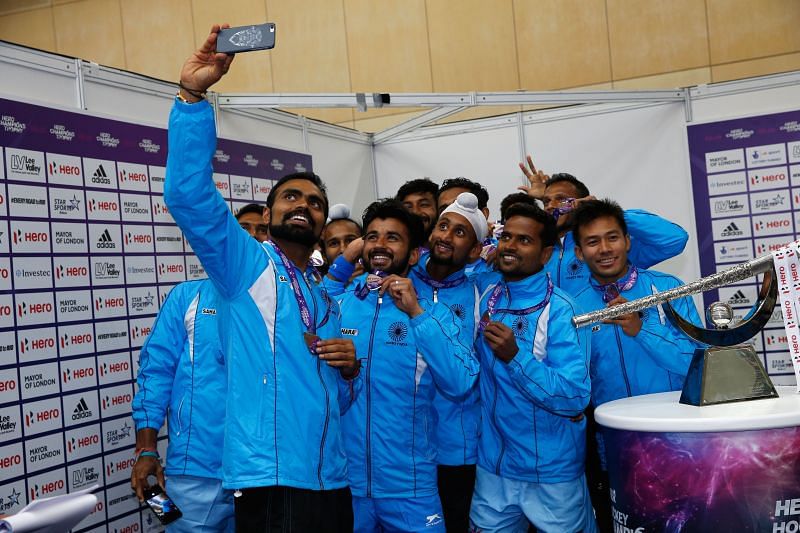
[580, 188]
[590, 210]
[474, 187]
[392, 208]
[308, 176]
[250, 208]
[418, 186]
[549, 233]
[514, 198]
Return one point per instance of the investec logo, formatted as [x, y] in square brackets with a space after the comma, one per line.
[105, 241]
[731, 230]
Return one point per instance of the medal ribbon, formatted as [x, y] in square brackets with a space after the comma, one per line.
[373, 282]
[615, 288]
[436, 284]
[305, 312]
[787, 266]
[495, 296]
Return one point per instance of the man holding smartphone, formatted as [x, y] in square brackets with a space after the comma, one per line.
[289, 374]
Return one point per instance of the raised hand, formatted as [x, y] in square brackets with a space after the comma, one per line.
[536, 178]
[205, 66]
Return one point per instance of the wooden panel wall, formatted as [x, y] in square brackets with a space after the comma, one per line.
[429, 45]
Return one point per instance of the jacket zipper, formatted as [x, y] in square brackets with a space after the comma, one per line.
[622, 360]
[369, 399]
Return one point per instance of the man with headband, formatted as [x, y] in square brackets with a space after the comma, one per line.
[534, 386]
[290, 375]
[653, 239]
[637, 353]
[440, 276]
[409, 346]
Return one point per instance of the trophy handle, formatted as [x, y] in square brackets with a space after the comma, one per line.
[744, 330]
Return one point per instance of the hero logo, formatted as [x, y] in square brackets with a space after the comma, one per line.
[160, 209]
[795, 345]
[46, 488]
[119, 399]
[20, 237]
[34, 309]
[71, 272]
[4, 273]
[222, 186]
[109, 303]
[74, 444]
[43, 343]
[776, 339]
[78, 373]
[762, 248]
[136, 177]
[69, 340]
[41, 416]
[773, 224]
[174, 268]
[69, 170]
[137, 332]
[755, 179]
[133, 528]
[108, 206]
[8, 385]
[119, 466]
[5, 310]
[9, 461]
[114, 368]
[141, 238]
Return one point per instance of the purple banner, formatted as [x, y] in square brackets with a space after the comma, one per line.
[88, 254]
[746, 184]
[744, 481]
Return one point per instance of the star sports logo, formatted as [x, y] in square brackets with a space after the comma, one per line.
[10, 501]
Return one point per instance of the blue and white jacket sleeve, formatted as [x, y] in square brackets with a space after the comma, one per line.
[560, 382]
[158, 361]
[348, 389]
[653, 239]
[668, 347]
[229, 255]
[449, 358]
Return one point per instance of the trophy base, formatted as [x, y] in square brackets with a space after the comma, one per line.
[726, 374]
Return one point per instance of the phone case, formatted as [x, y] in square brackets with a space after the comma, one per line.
[246, 38]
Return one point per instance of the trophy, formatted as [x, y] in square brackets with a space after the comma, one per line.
[726, 370]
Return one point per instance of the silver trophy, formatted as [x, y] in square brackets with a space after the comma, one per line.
[727, 370]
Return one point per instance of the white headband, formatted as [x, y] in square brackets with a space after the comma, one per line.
[466, 205]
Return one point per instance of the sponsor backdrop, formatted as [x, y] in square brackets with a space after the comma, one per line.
[88, 253]
[727, 481]
[746, 183]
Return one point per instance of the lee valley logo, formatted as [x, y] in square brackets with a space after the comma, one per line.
[84, 476]
[106, 270]
[731, 205]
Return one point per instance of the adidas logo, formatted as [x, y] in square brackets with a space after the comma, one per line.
[100, 176]
[81, 410]
[738, 298]
[105, 240]
[732, 230]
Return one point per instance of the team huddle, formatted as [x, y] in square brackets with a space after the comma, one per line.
[430, 380]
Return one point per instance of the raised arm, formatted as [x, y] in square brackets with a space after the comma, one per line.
[653, 239]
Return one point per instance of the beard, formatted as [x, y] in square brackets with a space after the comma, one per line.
[304, 236]
[398, 266]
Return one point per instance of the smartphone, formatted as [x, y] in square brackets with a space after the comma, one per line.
[162, 506]
[246, 38]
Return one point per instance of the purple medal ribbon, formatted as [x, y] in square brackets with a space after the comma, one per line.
[495, 296]
[436, 284]
[310, 335]
[615, 288]
[372, 283]
[565, 206]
